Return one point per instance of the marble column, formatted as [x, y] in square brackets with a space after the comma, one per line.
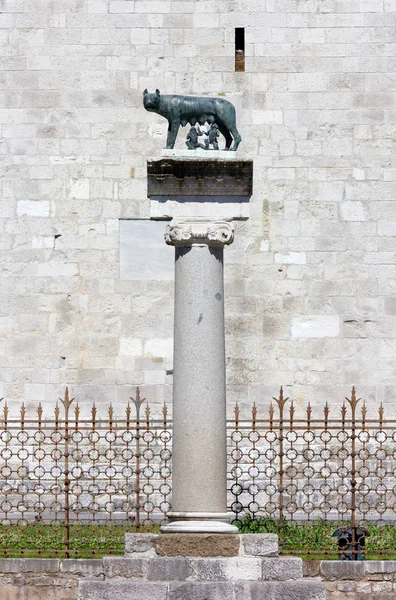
[199, 496]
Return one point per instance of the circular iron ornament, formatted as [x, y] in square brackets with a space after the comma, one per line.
[6, 453]
[270, 437]
[254, 437]
[5, 471]
[127, 437]
[254, 454]
[309, 436]
[291, 472]
[253, 471]
[23, 437]
[56, 454]
[110, 437]
[291, 454]
[165, 489]
[380, 437]
[94, 437]
[291, 489]
[165, 472]
[127, 472]
[164, 507]
[5, 437]
[236, 507]
[364, 437]
[308, 472]
[76, 437]
[165, 454]
[236, 454]
[148, 437]
[110, 454]
[253, 507]
[148, 507]
[56, 437]
[291, 436]
[148, 471]
[39, 437]
[148, 454]
[253, 489]
[325, 472]
[110, 472]
[127, 454]
[237, 436]
[22, 472]
[270, 489]
[93, 454]
[342, 436]
[165, 437]
[326, 437]
[236, 472]
[148, 489]
[236, 489]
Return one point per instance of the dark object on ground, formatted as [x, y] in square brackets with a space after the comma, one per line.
[351, 542]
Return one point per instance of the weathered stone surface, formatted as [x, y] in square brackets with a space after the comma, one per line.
[131, 568]
[168, 568]
[29, 565]
[342, 569]
[140, 544]
[198, 545]
[122, 590]
[201, 591]
[82, 566]
[227, 569]
[311, 568]
[380, 566]
[261, 544]
[290, 590]
[282, 569]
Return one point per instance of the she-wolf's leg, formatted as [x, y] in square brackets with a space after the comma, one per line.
[236, 136]
[173, 129]
[224, 130]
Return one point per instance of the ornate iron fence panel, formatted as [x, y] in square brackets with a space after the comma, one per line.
[326, 485]
[303, 477]
[67, 471]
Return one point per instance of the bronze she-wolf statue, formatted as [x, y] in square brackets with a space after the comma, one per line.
[180, 110]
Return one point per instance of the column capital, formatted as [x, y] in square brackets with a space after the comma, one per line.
[183, 232]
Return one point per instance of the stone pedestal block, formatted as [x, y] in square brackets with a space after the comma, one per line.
[254, 573]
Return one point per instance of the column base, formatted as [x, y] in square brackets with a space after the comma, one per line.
[197, 522]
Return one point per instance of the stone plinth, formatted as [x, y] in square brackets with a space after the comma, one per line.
[255, 572]
[196, 184]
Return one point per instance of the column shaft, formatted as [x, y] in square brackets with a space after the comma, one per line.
[199, 400]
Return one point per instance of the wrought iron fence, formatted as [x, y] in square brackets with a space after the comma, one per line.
[301, 477]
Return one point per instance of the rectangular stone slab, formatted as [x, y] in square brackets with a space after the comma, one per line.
[199, 177]
[197, 544]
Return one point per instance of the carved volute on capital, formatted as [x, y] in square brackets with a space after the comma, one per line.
[199, 233]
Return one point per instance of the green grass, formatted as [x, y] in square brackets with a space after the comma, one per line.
[48, 541]
[310, 539]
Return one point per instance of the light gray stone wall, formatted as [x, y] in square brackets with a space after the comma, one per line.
[310, 278]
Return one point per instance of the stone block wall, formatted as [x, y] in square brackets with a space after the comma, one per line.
[354, 580]
[310, 278]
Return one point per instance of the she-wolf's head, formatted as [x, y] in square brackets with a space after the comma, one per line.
[151, 101]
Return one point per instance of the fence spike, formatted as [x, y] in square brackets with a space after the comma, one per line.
[254, 414]
[39, 412]
[326, 411]
[236, 412]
